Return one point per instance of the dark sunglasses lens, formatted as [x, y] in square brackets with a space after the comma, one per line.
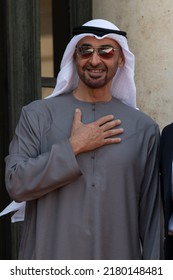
[106, 52]
[85, 52]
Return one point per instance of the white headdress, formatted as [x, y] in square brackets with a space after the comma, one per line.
[123, 85]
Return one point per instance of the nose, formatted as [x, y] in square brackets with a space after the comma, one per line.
[95, 58]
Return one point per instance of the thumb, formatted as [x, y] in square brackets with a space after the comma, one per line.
[77, 116]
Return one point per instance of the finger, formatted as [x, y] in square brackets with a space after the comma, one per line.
[104, 119]
[77, 116]
[115, 140]
[110, 124]
[113, 132]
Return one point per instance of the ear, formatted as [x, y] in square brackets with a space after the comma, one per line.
[121, 60]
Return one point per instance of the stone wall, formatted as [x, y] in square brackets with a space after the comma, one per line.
[148, 24]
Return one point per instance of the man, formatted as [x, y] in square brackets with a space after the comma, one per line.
[166, 160]
[90, 194]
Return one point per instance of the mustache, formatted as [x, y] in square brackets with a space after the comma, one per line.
[91, 67]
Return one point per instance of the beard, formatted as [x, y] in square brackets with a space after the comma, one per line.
[93, 83]
[94, 80]
[96, 77]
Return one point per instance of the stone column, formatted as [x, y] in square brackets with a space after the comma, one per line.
[20, 81]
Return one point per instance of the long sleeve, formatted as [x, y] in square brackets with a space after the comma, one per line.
[32, 172]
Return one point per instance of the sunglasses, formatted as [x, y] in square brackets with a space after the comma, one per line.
[104, 52]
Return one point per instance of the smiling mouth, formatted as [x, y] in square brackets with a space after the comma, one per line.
[95, 73]
[95, 70]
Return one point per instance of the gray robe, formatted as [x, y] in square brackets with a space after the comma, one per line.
[103, 204]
